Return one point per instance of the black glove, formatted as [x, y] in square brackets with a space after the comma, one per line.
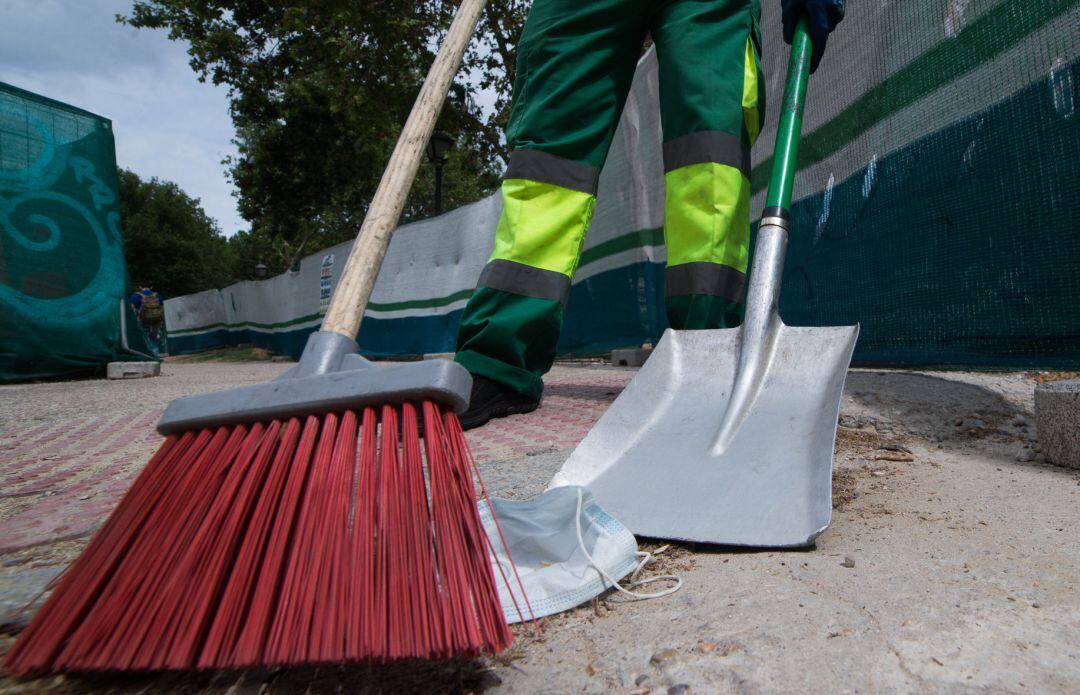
[822, 17]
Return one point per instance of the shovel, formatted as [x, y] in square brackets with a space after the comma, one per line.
[726, 436]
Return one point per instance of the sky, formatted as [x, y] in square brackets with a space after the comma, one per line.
[166, 123]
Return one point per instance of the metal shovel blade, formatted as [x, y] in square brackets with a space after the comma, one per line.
[725, 436]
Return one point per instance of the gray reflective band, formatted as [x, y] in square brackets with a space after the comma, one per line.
[518, 278]
[707, 146]
[535, 165]
[704, 278]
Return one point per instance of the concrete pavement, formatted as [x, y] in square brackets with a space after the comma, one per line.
[951, 564]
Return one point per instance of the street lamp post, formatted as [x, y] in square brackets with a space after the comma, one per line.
[436, 150]
[260, 270]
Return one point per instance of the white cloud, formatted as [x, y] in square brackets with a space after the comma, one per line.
[165, 122]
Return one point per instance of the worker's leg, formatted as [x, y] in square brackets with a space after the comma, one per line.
[575, 63]
[712, 106]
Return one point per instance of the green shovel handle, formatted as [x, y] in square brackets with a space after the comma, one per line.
[786, 152]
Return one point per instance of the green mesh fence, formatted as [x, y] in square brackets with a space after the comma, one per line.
[940, 184]
[63, 280]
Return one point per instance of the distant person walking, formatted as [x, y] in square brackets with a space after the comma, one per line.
[150, 309]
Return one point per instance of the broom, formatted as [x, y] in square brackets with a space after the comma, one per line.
[326, 516]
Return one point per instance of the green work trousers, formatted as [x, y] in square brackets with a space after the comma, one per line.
[575, 64]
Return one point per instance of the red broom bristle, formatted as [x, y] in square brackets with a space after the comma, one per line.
[345, 537]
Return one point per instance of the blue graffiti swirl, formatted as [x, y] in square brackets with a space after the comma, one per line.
[96, 298]
[47, 222]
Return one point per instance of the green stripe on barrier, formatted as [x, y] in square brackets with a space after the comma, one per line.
[197, 329]
[995, 32]
[421, 303]
[625, 242]
[248, 324]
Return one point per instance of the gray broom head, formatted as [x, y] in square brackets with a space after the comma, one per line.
[330, 376]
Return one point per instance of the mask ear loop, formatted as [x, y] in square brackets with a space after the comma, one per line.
[646, 558]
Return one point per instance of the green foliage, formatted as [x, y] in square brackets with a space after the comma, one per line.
[169, 240]
[249, 248]
[319, 92]
[492, 57]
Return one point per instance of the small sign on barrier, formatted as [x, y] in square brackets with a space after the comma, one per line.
[326, 273]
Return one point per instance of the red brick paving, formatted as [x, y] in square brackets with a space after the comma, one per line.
[78, 469]
[573, 401]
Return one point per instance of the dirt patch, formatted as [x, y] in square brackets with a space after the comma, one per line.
[60, 553]
[725, 647]
[229, 354]
[668, 558]
[865, 459]
[843, 487]
[868, 444]
[856, 482]
[849, 439]
[1044, 377]
[526, 637]
[461, 676]
[10, 505]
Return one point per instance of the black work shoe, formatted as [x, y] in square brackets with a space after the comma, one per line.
[490, 399]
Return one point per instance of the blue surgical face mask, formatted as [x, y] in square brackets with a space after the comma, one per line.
[567, 550]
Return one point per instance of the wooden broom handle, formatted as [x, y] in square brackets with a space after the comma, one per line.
[353, 290]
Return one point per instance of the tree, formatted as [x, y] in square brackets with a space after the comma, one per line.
[247, 249]
[168, 238]
[493, 56]
[318, 94]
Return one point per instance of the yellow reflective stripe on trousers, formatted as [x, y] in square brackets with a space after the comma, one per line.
[707, 215]
[542, 225]
[751, 115]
